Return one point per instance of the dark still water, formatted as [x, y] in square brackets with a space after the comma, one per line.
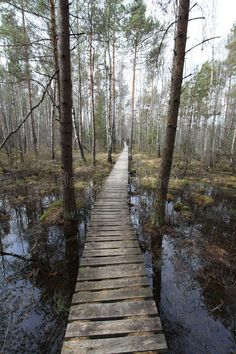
[36, 289]
[198, 273]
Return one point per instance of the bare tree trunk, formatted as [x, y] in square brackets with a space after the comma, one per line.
[174, 102]
[52, 125]
[66, 109]
[77, 134]
[29, 84]
[80, 100]
[114, 94]
[109, 121]
[133, 99]
[91, 69]
[55, 47]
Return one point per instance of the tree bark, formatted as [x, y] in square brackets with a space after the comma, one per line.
[77, 135]
[29, 84]
[91, 70]
[109, 121]
[114, 95]
[174, 103]
[66, 109]
[133, 99]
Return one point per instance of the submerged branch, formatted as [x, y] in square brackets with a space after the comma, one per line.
[16, 256]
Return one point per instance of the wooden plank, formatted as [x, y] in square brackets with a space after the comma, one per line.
[111, 283]
[112, 252]
[111, 271]
[104, 232]
[98, 328]
[118, 345]
[115, 224]
[110, 238]
[110, 244]
[111, 260]
[111, 295]
[110, 230]
[112, 310]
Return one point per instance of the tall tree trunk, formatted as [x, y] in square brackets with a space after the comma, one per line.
[29, 85]
[114, 94]
[66, 109]
[52, 123]
[174, 103]
[91, 73]
[55, 48]
[80, 100]
[77, 134]
[133, 99]
[109, 120]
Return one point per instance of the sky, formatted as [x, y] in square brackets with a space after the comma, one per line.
[220, 16]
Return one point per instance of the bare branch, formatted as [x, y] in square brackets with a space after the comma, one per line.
[29, 114]
[185, 77]
[193, 6]
[25, 44]
[28, 11]
[197, 18]
[204, 41]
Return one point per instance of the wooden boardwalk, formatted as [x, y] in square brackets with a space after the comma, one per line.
[113, 310]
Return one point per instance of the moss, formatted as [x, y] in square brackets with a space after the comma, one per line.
[187, 214]
[176, 184]
[202, 200]
[170, 197]
[52, 213]
[148, 182]
[180, 206]
[80, 184]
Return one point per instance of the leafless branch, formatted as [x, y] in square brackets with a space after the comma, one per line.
[29, 114]
[12, 3]
[197, 18]
[25, 44]
[204, 41]
[187, 76]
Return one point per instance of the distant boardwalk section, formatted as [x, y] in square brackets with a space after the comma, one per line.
[112, 309]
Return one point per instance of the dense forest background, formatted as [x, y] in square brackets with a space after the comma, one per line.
[120, 79]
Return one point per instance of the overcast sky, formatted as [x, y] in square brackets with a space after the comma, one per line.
[220, 15]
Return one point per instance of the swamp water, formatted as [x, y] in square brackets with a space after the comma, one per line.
[35, 295]
[198, 288]
[198, 306]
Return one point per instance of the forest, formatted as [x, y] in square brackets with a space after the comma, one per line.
[80, 83]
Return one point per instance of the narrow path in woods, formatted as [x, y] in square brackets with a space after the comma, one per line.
[112, 309]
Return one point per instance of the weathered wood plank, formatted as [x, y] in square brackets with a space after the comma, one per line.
[97, 328]
[111, 271]
[118, 345]
[104, 232]
[111, 230]
[110, 238]
[110, 244]
[112, 310]
[115, 283]
[111, 260]
[111, 294]
[111, 252]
